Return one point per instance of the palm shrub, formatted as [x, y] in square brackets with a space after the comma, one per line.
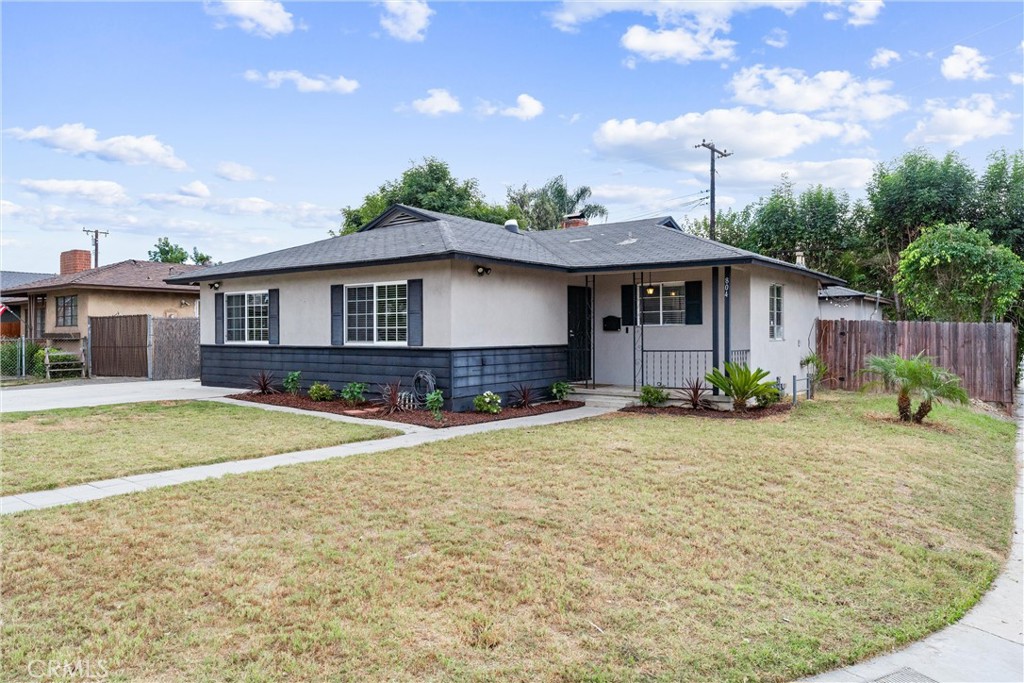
[740, 383]
[816, 368]
[912, 376]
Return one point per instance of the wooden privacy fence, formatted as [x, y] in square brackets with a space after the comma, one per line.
[142, 346]
[982, 354]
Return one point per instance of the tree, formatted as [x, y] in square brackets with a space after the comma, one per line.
[543, 208]
[1001, 200]
[953, 272]
[165, 252]
[199, 258]
[915, 376]
[428, 185]
[731, 227]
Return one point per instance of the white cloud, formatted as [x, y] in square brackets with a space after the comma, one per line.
[681, 45]
[965, 63]
[264, 18]
[1016, 78]
[406, 19]
[838, 94]
[105, 192]
[973, 118]
[864, 12]
[883, 57]
[9, 208]
[196, 188]
[76, 139]
[777, 37]
[526, 108]
[438, 101]
[571, 118]
[231, 170]
[766, 134]
[303, 83]
[302, 214]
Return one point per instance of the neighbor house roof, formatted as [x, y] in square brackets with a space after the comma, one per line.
[16, 278]
[839, 292]
[126, 275]
[403, 234]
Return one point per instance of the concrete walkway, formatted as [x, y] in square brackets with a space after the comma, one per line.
[413, 436]
[986, 646]
[103, 392]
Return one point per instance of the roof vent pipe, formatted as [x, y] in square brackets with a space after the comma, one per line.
[512, 225]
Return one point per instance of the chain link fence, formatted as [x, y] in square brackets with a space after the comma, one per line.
[18, 356]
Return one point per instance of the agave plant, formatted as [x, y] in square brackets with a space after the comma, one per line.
[740, 383]
[916, 375]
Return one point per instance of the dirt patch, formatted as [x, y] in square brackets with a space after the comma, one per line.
[423, 418]
[751, 414]
[895, 420]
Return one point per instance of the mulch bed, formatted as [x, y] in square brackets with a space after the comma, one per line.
[423, 418]
[751, 414]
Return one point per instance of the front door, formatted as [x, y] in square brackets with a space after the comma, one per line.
[580, 334]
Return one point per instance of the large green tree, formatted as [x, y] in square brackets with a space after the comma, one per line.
[954, 272]
[1001, 200]
[542, 208]
[164, 251]
[427, 185]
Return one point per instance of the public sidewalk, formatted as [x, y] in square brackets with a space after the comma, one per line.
[413, 436]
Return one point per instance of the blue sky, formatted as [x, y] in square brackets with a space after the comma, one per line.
[244, 127]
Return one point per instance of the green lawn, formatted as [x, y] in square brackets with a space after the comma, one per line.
[52, 448]
[616, 549]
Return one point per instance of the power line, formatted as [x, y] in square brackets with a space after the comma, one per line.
[95, 244]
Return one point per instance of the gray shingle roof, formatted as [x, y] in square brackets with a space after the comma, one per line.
[653, 242]
[17, 278]
[839, 292]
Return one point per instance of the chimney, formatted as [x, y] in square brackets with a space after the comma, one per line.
[512, 225]
[574, 220]
[800, 260]
[75, 261]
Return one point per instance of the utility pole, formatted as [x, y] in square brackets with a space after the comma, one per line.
[96, 243]
[715, 152]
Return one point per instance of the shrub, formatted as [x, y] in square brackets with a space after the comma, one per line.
[524, 395]
[487, 402]
[652, 396]
[915, 375]
[560, 390]
[39, 362]
[391, 397]
[769, 397]
[695, 393]
[320, 391]
[740, 383]
[817, 368]
[435, 402]
[353, 392]
[263, 382]
[291, 382]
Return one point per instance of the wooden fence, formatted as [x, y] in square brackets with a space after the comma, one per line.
[175, 348]
[142, 346]
[982, 354]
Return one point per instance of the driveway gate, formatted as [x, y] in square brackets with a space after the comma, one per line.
[119, 345]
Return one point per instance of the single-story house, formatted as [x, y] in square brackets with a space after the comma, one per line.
[487, 307]
[842, 303]
[11, 322]
[58, 307]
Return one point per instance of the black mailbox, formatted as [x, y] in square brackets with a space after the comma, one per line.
[612, 323]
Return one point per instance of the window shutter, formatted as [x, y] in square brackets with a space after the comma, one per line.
[273, 316]
[628, 305]
[337, 315]
[415, 312]
[694, 303]
[218, 318]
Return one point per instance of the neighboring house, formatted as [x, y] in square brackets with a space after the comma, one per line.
[486, 307]
[11, 322]
[842, 303]
[58, 307]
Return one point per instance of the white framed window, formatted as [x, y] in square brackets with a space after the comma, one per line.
[663, 303]
[377, 313]
[775, 329]
[247, 317]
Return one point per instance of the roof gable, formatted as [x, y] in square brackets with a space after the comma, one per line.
[399, 214]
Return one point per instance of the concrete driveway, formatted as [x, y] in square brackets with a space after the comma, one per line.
[103, 392]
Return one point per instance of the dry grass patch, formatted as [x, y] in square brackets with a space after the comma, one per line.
[623, 548]
[52, 448]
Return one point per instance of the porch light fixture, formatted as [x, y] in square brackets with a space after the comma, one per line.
[483, 270]
[649, 291]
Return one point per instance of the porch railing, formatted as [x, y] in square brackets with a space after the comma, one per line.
[673, 368]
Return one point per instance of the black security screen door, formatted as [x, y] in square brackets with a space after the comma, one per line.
[580, 334]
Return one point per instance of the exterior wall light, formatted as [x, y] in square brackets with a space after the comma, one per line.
[483, 270]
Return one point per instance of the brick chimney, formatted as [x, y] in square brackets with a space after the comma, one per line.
[574, 220]
[75, 261]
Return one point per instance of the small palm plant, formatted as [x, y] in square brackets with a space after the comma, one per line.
[740, 383]
[916, 375]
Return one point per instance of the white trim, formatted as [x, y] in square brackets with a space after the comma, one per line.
[661, 298]
[374, 286]
[246, 328]
[777, 333]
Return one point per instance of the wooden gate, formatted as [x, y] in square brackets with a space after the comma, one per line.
[982, 354]
[119, 346]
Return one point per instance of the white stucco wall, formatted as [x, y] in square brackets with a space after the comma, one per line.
[849, 309]
[509, 307]
[305, 298]
[799, 314]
